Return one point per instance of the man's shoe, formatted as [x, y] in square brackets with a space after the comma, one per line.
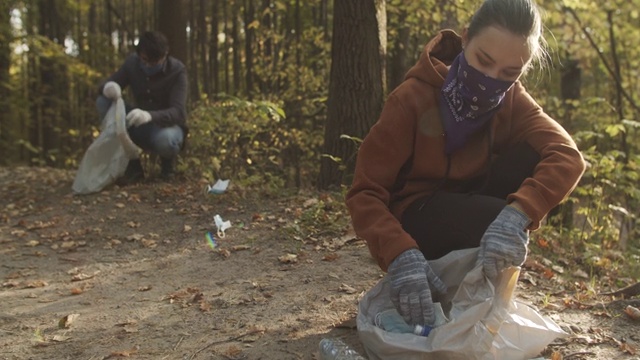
[166, 168]
[133, 174]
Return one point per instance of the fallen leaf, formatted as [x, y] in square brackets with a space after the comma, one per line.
[66, 321]
[135, 237]
[288, 259]
[633, 312]
[125, 353]
[198, 297]
[120, 205]
[127, 323]
[144, 288]
[76, 291]
[32, 243]
[60, 338]
[233, 352]
[149, 243]
[556, 356]
[186, 228]
[257, 217]
[83, 276]
[224, 252]
[331, 257]
[628, 348]
[348, 289]
[309, 203]
[543, 243]
[68, 245]
[205, 306]
[11, 283]
[36, 284]
[240, 247]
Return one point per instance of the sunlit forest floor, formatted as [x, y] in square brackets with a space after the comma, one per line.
[129, 272]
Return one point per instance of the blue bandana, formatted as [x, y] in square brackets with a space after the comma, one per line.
[468, 100]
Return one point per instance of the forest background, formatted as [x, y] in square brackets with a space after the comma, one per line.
[282, 91]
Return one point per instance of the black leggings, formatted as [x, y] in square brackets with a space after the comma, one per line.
[443, 222]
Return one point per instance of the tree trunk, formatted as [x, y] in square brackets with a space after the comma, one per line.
[235, 36]
[249, 31]
[214, 47]
[225, 48]
[399, 62]
[570, 82]
[193, 64]
[5, 62]
[173, 24]
[356, 85]
[202, 40]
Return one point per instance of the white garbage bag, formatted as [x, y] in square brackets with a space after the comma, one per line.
[106, 158]
[481, 326]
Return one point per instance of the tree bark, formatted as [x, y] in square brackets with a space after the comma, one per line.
[5, 62]
[249, 31]
[399, 61]
[193, 64]
[356, 85]
[235, 36]
[173, 24]
[202, 41]
[214, 47]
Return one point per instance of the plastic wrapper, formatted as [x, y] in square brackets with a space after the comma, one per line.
[107, 157]
[485, 321]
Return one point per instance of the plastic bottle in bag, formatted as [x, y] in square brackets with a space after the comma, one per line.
[391, 321]
[336, 349]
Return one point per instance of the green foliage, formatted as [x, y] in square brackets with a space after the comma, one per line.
[326, 216]
[246, 141]
[607, 195]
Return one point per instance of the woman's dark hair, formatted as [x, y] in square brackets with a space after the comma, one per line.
[153, 44]
[521, 17]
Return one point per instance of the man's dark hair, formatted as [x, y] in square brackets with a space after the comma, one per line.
[153, 44]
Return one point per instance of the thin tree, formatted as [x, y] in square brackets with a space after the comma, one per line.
[173, 24]
[214, 47]
[5, 63]
[249, 30]
[356, 85]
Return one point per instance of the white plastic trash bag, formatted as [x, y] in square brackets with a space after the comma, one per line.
[481, 326]
[106, 158]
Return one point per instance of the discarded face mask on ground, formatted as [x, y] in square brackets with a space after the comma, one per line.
[485, 322]
[221, 225]
[218, 188]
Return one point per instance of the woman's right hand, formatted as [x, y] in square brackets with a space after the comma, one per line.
[411, 278]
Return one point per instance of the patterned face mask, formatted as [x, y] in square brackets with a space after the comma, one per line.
[468, 100]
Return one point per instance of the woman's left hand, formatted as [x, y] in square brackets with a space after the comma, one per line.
[505, 241]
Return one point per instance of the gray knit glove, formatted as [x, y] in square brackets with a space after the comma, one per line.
[504, 243]
[409, 277]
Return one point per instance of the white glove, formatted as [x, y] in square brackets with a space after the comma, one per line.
[137, 117]
[112, 90]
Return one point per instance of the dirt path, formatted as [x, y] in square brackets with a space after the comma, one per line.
[129, 273]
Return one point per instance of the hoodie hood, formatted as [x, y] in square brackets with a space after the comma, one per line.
[437, 55]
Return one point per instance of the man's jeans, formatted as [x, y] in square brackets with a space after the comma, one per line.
[164, 141]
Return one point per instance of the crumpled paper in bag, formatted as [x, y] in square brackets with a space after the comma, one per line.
[107, 157]
[482, 326]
